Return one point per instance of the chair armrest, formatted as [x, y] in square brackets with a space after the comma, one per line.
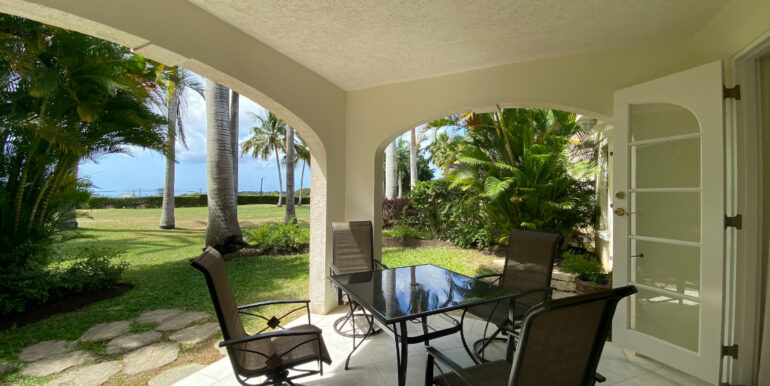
[461, 372]
[270, 302]
[547, 290]
[267, 335]
[498, 275]
[379, 265]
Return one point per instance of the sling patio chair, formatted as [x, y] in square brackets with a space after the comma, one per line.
[561, 343]
[528, 269]
[353, 252]
[264, 354]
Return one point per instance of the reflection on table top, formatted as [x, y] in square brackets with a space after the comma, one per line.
[398, 294]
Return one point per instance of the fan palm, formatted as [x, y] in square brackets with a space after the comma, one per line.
[267, 138]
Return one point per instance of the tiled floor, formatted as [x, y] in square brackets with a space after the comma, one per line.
[374, 363]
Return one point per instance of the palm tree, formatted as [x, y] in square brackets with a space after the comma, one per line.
[266, 138]
[222, 231]
[291, 215]
[234, 111]
[175, 82]
[391, 189]
[303, 153]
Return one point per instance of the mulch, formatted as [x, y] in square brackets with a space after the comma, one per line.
[59, 306]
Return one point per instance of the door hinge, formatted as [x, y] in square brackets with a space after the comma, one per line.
[730, 351]
[733, 92]
[734, 221]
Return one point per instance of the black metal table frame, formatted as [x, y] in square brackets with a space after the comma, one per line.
[403, 340]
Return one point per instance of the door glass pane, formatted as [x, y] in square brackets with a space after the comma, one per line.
[673, 164]
[668, 318]
[669, 215]
[658, 120]
[673, 267]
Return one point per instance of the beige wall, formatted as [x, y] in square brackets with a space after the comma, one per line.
[347, 131]
[764, 84]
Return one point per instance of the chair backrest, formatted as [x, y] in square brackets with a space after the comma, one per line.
[212, 265]
[353, 246]
[529, 263]
[562, 340]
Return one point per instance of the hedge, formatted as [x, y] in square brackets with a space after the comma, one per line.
[188, 201]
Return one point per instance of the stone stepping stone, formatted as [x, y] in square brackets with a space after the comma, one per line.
[57, 364]
[182, 320]
[106, 331]
[157, 316]
[4, 367]
[150, 357]
[175, 374]
[131, 342]
[93, 375]
[195, 334]
[46, 349]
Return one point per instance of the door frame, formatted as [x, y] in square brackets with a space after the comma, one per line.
[744, 181]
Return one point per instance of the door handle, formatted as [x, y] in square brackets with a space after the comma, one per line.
[639, 255]
[622, 212]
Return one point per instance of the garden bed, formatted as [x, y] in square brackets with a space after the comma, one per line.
[65, 304]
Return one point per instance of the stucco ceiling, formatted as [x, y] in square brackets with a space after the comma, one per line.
[357, 44]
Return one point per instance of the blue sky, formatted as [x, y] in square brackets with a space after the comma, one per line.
[142, 172]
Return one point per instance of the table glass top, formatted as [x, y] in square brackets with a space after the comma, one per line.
[407, 292]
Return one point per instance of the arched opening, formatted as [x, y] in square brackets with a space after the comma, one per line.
[467, 163]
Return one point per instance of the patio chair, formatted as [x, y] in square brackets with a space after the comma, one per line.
[269, 354]
[353, 252]
[561, 343]
[528, 268]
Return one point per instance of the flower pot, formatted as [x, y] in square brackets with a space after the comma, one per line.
[587, 287]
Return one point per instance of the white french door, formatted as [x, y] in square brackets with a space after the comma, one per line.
[668, 230]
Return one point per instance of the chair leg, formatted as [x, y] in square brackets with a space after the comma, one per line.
[480, 345]
[429, 371]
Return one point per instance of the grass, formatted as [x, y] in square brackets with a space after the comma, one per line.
[162, 277]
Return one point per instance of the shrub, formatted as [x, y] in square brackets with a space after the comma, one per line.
[184, 201]
[450, 213]
[579, 264]
[279, 238]
[93, 269]
[393, 210]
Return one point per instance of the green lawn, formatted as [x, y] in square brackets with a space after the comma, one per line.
[162, 277]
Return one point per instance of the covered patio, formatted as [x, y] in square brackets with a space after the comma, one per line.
[374, 363]
[351, 76]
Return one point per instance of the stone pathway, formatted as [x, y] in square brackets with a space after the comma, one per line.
[156, 345]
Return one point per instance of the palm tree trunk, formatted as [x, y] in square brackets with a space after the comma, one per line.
[291, 215]
[167, 220]
[234, 111]
[301, 183]
[390, 171]
[400, 184]
[413, 159]
[222, 231]
[280, 183]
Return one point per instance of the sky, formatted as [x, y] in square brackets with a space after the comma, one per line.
[142, 172]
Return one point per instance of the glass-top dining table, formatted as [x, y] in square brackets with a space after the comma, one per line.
[396, 296]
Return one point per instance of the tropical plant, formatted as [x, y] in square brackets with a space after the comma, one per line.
[403, 167]
[175, 82]
[517, 160]
[65, 97]
[267, 138]
[222, 230]
[235, 110]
